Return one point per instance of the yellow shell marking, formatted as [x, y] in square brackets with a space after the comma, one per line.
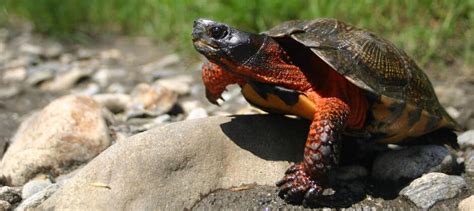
[398, 127]
[304, 107]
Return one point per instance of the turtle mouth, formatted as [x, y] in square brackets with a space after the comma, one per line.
[200, 39]
[202, 44]
[205, 48]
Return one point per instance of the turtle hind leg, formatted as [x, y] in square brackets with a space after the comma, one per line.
[303, 182]
[442, 136]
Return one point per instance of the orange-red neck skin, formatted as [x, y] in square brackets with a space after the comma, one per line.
[272, 65]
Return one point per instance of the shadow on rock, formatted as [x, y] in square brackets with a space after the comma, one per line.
[284, 143]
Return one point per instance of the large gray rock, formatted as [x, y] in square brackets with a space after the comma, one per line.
[412, 162]
[69, 130]
[174, 165]
[433, 187]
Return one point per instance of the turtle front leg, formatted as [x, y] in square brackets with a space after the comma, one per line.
[303, 181]
[216, 80]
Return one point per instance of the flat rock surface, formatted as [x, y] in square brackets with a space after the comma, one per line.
[176, 164]
[69, 130]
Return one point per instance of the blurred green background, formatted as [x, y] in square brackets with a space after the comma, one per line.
[436, 33]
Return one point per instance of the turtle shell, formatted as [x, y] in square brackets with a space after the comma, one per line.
[404, 105]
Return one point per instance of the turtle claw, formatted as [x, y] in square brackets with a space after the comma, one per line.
[213, 98]
[313, 193]
[297, 186]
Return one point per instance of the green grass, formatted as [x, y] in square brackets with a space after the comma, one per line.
[439, 31]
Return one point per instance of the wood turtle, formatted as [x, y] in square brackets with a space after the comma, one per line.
[341, 78]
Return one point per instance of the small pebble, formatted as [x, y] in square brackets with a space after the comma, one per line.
[197, 113]
[466, 139]
[433, 187]
[161, 63]
[8, 92]
[4, 205]
[9, 194]
[180, 84]
[469, 162]
[34, 186]
[14, 74]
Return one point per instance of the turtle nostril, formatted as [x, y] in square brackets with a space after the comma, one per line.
[196, 34]
[198, 29]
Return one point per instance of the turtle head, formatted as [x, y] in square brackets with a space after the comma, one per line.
[255, 57]
[221, 43]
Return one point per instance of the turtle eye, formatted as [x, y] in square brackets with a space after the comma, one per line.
[218, 32]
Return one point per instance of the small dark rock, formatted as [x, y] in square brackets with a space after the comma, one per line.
[351, 172]
[412, 162]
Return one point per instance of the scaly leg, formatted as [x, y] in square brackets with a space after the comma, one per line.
[216, 80]
[303, 181]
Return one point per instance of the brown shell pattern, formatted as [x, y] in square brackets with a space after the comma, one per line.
[371, 62]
